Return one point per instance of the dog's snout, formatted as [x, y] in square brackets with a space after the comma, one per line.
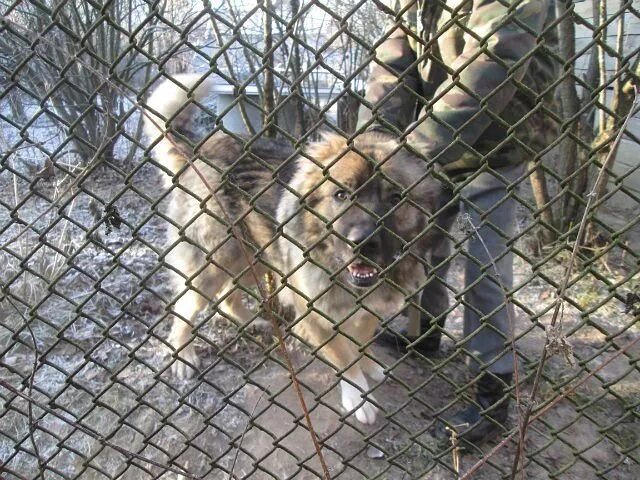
[371, 248]
[366, 241]
[361, 236]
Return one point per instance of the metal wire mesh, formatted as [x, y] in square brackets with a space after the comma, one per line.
[87, 365]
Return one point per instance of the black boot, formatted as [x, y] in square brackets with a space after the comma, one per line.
[480, 423]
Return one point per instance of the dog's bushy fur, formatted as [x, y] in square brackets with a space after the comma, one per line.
[341, 227]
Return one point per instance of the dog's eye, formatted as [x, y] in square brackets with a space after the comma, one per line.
[341, 195]
[396, 197]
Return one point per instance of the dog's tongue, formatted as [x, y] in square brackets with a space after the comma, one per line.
[362, 270]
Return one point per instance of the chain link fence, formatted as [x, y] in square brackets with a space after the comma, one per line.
[104, 244]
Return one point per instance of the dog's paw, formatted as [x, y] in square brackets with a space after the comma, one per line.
[367, 413]
[351, 398]
[186, 365]
[376, 373]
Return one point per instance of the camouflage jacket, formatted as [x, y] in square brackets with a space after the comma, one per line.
[466, 80]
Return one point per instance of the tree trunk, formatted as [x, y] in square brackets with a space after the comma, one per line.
[541, 196]
[268, 90]
[621, 104]
[570, 105]
[585, 131]
[247, 56]
[602, 97]
[296, 73]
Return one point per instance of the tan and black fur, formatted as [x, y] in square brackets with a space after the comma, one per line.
[348, 224]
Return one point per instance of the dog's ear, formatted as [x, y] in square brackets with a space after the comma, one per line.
[327, 148]
[430, 182]
[437, 184]
[310, 163]
[433, 192]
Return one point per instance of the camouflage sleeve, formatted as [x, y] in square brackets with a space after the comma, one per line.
[392, 83]
[500, 36]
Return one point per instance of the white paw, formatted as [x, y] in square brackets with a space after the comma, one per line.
[376, 373]
[351, 398]
[186, 369]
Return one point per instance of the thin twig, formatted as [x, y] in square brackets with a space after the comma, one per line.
[567, 277]
[94, 160]
[246, 428]
[526, 419]
[236, 232]
[82, 176]
[266, 305]
[36, 359]
[466, 218]
[549, 406]
[86, 430]
[31, 225]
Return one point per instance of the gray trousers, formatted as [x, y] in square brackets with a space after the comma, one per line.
[492, 210]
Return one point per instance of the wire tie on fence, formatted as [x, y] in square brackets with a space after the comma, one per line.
[526, 403]
[47, 172]
[455, 452]
[465, 224]
[632, 303]
[557, 343]
[112, 219]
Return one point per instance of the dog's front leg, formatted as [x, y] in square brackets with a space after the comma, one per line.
[356, 399]
[343, 354]
[356, 396]
[181, 336]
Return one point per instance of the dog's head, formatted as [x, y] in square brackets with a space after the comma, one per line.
[365, 204]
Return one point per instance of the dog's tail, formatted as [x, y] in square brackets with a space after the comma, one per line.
[172, 113]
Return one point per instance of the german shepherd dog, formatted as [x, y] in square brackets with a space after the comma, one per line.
[342, 227]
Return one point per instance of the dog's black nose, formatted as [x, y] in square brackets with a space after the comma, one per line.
[371, 248]
[367, 242]
[360, 236]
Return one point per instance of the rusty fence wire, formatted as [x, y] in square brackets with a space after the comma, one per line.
[127, 251]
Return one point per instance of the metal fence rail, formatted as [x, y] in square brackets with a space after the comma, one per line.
[105, 245]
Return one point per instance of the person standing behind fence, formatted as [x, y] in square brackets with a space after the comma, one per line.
[466, 83]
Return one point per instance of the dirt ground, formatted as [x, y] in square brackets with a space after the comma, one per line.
[99, 322]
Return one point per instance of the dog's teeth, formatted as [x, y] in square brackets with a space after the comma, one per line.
[364, 275]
